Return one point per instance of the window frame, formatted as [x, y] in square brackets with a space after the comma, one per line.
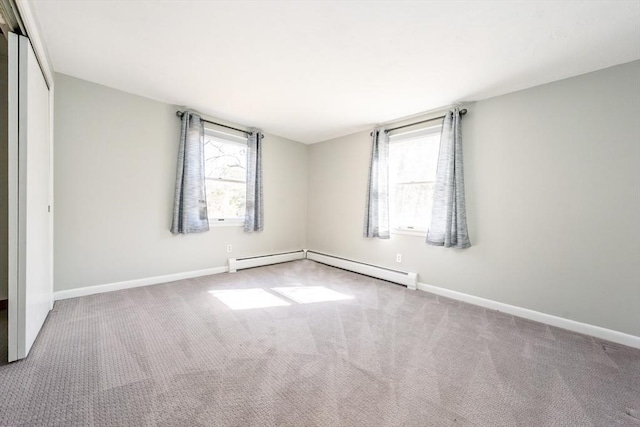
[210, 131]
[394, 138]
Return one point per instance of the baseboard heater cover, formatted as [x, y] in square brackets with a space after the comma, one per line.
[410, 280]
[236, 264]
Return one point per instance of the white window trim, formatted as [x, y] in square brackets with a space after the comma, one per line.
[208, 130]
[410, 134]
[408, 232]
[226, 222]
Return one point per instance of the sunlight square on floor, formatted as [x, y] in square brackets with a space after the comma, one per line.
[309, 294]
[242, 299]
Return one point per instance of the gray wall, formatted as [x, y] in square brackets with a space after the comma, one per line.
[115, 165]
[4, 195]
[553, 196]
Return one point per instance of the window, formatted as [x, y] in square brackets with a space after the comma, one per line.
[225, 176]
[413, 159]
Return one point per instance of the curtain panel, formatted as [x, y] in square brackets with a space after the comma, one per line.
[376, 222]
[190, 202]
[449, 219]
[254, 216]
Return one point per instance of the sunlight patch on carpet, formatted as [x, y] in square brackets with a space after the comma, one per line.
[242, 299]
[310, 294]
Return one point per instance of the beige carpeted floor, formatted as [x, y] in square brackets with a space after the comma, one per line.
[175, 354]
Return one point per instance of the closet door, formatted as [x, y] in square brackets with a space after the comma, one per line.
[30, 279]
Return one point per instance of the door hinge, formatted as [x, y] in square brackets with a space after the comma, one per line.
[48, 208]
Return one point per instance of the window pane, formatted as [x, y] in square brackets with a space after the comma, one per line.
[414, 160]
[226, 199]
[224, 159]
[411, 205]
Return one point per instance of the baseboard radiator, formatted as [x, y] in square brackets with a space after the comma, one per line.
[410, 280]
[236, 264]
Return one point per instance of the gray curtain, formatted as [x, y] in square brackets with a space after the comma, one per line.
[190, 203]
[254, 217]
[449, 219]
[376, 221]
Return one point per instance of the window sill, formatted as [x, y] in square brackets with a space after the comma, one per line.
[216, 223]
[416, 233]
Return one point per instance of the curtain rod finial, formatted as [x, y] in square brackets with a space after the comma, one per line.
[179, 113]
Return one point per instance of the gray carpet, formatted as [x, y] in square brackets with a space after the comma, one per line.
[174, 354]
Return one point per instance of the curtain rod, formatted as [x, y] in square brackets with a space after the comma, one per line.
[246, 132]
[462, 113]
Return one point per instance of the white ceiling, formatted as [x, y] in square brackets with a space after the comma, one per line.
[315, 70]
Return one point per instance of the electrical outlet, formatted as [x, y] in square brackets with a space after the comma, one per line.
[398, 257]
[229, 247]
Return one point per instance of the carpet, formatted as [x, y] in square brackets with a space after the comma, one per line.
[177, 354]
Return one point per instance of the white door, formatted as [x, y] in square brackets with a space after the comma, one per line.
[30, 279]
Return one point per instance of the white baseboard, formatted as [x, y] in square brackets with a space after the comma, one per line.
[409, 279]
[128, 284]
[236, 264]
[560, 322]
